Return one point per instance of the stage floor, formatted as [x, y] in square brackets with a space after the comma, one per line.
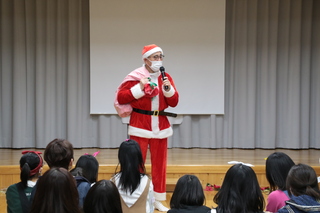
[183, 157]
[209, 165]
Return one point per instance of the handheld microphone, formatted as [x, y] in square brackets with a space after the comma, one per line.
[163, 76]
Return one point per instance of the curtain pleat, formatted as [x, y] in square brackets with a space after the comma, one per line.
[272, 79]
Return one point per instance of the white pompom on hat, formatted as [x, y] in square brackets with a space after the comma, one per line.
[149, 50]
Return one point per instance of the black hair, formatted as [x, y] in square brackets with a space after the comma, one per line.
[56, 193]
[59, 153]
[302, 180]
[28, 162]
[78, 172]
[188, 191]
[278, 165]
[131, 165]
[103, 197]
[240, 192]
[90, 167]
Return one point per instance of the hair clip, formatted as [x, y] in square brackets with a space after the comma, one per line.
[238, 162]
[94, 154]
[127, 139]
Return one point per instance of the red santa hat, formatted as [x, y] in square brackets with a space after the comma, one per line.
[149, 50]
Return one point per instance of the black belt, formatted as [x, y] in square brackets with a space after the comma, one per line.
[154, 113]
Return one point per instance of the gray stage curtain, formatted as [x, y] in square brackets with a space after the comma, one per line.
[272, 78]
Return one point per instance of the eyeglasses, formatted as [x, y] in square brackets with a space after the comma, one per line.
[157, 57]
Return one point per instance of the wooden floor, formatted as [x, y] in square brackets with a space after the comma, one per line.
[181, 161]
[193, 156]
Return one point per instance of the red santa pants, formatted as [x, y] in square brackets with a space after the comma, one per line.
[158, 153]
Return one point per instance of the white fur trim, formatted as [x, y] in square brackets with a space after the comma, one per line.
[155, 106]
[136, 91]
[149, 134]
[160, 196]
[150, 52]
[170, 93]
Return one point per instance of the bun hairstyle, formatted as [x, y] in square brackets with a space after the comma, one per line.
[30, 164]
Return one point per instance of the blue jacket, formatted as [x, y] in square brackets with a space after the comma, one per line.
[83, 186]
[301, 204]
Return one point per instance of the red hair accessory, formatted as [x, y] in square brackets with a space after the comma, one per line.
[35, 170]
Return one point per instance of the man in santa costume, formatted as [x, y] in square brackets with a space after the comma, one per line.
[149, 93]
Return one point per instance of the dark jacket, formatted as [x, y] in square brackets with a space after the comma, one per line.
[83, 186]
[301, 204]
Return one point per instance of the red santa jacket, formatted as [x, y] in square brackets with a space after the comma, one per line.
[148, 126]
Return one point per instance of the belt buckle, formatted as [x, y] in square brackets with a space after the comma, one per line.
[156, 113]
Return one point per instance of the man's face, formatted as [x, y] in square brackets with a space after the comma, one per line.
[157, 56]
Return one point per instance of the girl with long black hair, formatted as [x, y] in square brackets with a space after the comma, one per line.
[134, 186]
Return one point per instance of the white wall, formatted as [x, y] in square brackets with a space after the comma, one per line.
[191, 34]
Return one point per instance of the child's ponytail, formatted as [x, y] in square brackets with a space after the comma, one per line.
[24, 174]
